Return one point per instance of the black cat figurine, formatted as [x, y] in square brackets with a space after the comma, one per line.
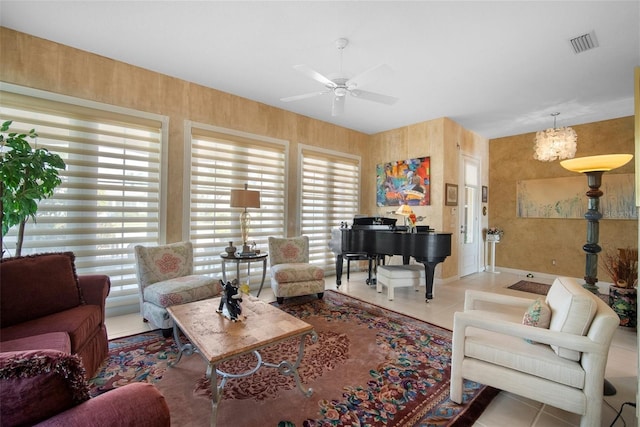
[231, 299]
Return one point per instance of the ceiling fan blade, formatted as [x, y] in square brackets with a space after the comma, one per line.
[304, 96]
[338, 106]
[375, 97]
[370, 75]
[309, 72]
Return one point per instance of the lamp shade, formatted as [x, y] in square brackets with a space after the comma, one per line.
[603, 163]
[404, 210]
[555, 143]
[245, 199]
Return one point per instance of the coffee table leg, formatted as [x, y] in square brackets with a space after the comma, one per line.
[287, 368]
[186, 348]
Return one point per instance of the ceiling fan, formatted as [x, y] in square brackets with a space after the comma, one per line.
[341, 85]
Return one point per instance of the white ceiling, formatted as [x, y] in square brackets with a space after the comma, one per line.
[496, 68]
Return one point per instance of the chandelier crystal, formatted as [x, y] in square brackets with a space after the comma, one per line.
[555, 143]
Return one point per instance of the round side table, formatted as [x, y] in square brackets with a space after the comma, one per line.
[246, 259]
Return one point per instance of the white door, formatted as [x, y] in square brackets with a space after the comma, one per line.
[470, 217]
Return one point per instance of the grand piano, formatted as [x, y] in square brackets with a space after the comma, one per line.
[378, 237]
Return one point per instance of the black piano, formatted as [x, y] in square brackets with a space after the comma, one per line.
[378, 237]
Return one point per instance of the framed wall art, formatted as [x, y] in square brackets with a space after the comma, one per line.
[404, 182]
[451, 195]
[566, 197]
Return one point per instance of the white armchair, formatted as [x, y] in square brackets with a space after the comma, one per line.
[563, 367]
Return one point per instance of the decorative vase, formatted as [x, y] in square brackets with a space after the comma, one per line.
[230, 250]
[623, 301]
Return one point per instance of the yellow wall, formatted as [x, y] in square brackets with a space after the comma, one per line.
[33, 62]
[530, 243]
[444, 141]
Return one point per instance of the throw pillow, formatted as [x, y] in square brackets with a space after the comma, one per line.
[538, 314]
[38, 384]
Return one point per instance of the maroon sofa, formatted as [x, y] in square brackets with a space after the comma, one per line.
[48, 388]
[42, 299]
[52, 340]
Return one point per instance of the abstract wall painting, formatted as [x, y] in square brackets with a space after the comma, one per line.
[566, 197]
[404, 182]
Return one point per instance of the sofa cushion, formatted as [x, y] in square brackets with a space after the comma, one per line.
[296, 272]
[37, 285]
[538, 314]
[80, 323]
[52, 341]
[572, 310]
[514, 353]
[37, 384]
[181, 290]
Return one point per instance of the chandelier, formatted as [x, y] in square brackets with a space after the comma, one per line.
[555, 143]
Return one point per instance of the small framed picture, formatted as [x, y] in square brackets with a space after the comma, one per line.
[451, 195]
[485, 194]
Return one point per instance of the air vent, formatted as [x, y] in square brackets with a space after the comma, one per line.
[584, 42]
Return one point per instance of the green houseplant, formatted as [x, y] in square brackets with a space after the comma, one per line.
[27, 175]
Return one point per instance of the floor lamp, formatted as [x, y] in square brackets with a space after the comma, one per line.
[245, 199]
[594, 167]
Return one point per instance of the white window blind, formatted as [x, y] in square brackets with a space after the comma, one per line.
[330, 195]
[110, 196]
[223, 160]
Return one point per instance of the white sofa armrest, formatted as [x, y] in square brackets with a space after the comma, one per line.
[473, 297]
[481, 320]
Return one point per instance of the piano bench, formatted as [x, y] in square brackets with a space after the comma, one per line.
[397, 276]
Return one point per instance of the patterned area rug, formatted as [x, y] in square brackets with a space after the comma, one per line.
[532, 287]
[370, 366]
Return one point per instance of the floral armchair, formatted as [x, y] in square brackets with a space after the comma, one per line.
[291, 273]
[165, 278]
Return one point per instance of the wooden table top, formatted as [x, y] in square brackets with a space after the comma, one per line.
[218, 338]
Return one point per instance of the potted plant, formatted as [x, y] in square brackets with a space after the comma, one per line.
[494, 234]
[622, 268]
[27, 175]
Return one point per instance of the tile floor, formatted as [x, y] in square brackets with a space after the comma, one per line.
[506, 409]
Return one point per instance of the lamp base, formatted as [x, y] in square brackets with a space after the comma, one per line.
[591, 288]
[609, 389]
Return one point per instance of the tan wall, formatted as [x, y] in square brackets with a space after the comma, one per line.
[33, 62]
[531, 244]
[443, 140]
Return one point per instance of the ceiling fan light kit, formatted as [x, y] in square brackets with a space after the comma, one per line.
[342, 86]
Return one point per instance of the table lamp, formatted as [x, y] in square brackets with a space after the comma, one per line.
[245, 199]
[405, 211]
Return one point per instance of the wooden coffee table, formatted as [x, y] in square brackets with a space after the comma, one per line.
[218, 339]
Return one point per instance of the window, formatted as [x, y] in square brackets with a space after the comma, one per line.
[222, 160]
[330, 195]
[111, 193]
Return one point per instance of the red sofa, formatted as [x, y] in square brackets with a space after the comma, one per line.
[48, 388]
[42, 299]
[52, 339]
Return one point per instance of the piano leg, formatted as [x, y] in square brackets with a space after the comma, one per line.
[429, 273]
[338, 270]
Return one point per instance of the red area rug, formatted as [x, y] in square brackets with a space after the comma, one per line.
[370, 366]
